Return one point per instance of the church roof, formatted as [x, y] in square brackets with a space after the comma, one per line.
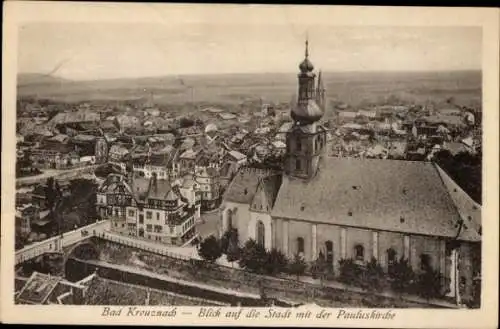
[266, 193]
[388, 195]
[244, 184]
[469, 210]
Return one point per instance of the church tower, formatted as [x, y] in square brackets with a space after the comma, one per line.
[306, 139]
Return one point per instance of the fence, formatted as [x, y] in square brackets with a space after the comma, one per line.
[143, 245]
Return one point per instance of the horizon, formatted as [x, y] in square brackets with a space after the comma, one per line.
[40, 74]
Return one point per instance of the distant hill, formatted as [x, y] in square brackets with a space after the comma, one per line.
[354, 88]
[30, 79]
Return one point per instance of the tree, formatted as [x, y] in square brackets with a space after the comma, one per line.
[297, 266]
[253, 256]
[209, 249]
[230, 236]
[349, 271]
[233, 252]
[319, 267]
[276, 262]
[402, 275]
[429, 284]
[373, 276]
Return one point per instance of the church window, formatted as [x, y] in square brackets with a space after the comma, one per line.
[300, 245]
[391, 256]
[425, 262]
[329, 252]
[359, 252]
[261, 234]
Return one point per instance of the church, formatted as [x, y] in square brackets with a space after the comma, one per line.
[351, 208]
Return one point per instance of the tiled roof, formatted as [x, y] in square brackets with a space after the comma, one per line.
[469, 210]
[266, 193]
[37, 289]
[388, 195]
[161, 191]
[244, 184]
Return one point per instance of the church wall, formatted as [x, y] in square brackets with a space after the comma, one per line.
[240, 219]
[425, 245]
[468, 252]
[252, 227]
[299, 229]
[355, 236]
[386, 241]
[329, 233]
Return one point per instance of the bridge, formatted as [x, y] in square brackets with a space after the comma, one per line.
[57, 243]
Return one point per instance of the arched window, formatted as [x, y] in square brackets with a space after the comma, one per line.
[261, 234]
[391, 256]
[359, 252]
[329, 252]
[425, 262]
[300, 245]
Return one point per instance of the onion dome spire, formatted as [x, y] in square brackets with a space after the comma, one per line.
[306, 65]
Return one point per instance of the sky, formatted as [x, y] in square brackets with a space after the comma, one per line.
[89, 51]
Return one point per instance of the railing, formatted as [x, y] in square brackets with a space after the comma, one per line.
[139, 244]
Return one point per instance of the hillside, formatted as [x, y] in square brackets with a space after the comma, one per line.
[36, 79]
[349, 87]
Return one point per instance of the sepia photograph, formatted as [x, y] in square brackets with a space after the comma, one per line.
[272, 164]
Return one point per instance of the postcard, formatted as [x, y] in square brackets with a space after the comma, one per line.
[249, 165]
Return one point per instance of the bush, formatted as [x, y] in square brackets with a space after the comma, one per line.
[253, 257]
[350, 272]
[209, 249]
[276, 262]
[402, 275]
[233, 252]
[373, 278]
[230, 236]
[429, 284]
[297, 266]
[319, 267]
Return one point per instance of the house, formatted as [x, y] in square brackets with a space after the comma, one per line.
[235, 157]
[371, 114]
[46, 289]
[25, 215]
[187, 160]
[153, 112]
[90, 145]
[150, 209]
[161, 164]
[119, 155]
